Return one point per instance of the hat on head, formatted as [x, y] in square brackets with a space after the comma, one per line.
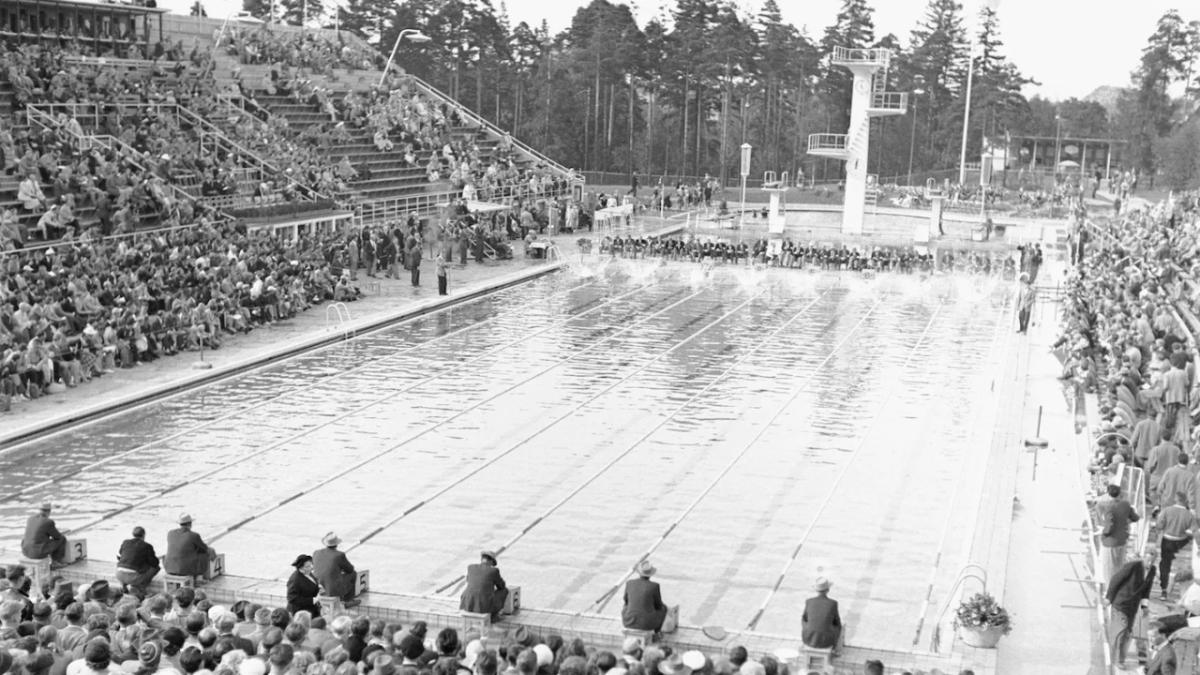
[544, 656]
[331, 539]
[673, 665]
[41, 610]
[489, 554]
[475, 647]
[644, 568]
[694, 659]
[301, 560]
[822, 584]
[45, 507]
[149, 654]
[185, 519]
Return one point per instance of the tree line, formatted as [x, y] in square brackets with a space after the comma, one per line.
[679, 95]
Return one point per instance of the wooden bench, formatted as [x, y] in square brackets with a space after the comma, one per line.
[38, 570]
[819, 660]
[481, 622]
[646, 636]
[331, 606]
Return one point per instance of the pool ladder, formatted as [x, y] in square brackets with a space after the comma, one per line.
[337, 315]
[969, 571]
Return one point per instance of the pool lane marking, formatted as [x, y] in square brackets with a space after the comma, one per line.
[412, 437]
[611, 463]
[284, 394]
[1002, 320]
[806, 385]
[895, 385]
[408, 387]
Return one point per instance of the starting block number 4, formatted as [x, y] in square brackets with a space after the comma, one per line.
[216, 567]
[512, 604]
[76, 550]
[362, 582]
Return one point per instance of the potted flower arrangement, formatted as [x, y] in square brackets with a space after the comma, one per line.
[981, 621]
[584, 244]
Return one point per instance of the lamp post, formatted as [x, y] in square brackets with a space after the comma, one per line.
[962, 155]
[918, 89]
[745, 173]
[1057, 143]
[413, 35]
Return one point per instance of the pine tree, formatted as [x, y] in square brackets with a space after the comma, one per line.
[997, 87]
[853, 28]
[1147, 114]
[939, 55]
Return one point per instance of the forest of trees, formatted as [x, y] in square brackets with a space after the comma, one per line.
[679, 94]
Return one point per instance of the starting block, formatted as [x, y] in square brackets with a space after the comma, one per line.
[362, 582]
[216, 567]
[331, 605]
[817, 659]
[173, 582]
[479, 621]
[76, 550]
[512, 604]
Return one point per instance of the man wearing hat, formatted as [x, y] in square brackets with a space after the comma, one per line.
[137, 564]
[187, 554]
[303, 587]
[485, 592]
[644, 608]
[42, 539]
[333, 570]
[821, 625]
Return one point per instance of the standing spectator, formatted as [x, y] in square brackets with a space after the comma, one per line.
[414, 260]
[187, 554]
[137, 564]
[1175, 523]
[42, 539]
[443, 280]
[1117, 514]
[303, 588]
[1024, 303]
[1127, 589]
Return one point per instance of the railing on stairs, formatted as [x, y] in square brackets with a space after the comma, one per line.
[467, 112]
[968, 572]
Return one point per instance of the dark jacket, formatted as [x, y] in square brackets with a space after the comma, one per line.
[187, 554]
[137, 555]
[333, 570]
[644, 608]
[41, 537]
[302, 592]
[1120, 515]
[485, 591]
[821, 623]
[1129, 586]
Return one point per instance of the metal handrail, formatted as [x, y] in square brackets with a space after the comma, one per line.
[466, 112]
[878, 55]
[889, 100]
[969, 571]
[827, 141]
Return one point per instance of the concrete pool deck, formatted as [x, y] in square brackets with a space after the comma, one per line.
[991, 545]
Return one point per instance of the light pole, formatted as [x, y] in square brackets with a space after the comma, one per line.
[918, 89]
[413, 35]
[745, 173]
[1057, 143]
[962, 155]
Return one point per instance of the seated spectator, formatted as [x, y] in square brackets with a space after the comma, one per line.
[821, 623]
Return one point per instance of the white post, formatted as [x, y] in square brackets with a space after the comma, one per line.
[962, 155]
[745, 172]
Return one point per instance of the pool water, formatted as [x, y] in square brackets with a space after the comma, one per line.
[748, 430]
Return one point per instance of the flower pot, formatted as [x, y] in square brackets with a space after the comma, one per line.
[985, 637]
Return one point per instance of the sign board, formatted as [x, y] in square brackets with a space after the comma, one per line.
[362, 583]
[216, 567]
[76, 550]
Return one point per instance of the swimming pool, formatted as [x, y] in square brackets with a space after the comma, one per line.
[747, 429]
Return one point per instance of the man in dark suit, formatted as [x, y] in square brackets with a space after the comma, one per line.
[644, 608]
[485, 592]
[42, 539]
[334, 571]
[187, 554]
[137, 564]
[1129, 586]
[821, 625]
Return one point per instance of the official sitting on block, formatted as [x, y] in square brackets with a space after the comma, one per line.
[137, 564]
[187, 554]
[821, 625]
[485, 592]
[42, 539]
[644, 608]
[334, 571]
[303, 587]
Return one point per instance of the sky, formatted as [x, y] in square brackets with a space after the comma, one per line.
[1069, 46]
